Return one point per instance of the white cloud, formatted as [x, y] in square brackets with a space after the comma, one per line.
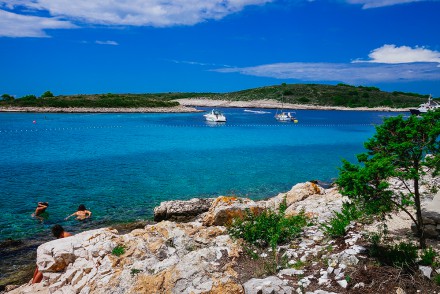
[380, 3]
[391, 54]
[114, 43]
[16, 25]
[341, 72]
[157, 13]
[386, 64]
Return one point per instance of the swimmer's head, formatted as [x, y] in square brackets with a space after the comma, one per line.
[57, 231]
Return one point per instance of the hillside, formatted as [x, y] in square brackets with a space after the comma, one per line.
[328, 95]
[306, 94]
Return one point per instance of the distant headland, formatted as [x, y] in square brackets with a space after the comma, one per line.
[294, 96]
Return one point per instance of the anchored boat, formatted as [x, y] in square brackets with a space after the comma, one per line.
[425, 107]
[215, 116]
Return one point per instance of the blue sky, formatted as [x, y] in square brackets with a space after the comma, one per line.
[149, 46]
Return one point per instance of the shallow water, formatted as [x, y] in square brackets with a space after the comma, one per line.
[122, 165]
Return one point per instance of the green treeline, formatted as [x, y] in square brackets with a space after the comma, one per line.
[328, 95]
[308, 94]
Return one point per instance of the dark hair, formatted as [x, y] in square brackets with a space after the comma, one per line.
[82, 207]
[57, 231]
[44, 203]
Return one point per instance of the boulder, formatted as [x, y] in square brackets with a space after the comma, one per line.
[167, 257]
[224, 209]
[298, 192]
[180, 210]
[268, 285]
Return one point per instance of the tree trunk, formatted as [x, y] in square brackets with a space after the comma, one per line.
[420, 226]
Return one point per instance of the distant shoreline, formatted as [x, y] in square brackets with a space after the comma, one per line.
[275, 104]
[174, 109]
[188, 105]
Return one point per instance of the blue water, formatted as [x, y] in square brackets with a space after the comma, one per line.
[123, 165]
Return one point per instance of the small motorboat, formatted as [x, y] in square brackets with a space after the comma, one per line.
[256, 111]
[285, 116]
[215, 116]
[425, 107]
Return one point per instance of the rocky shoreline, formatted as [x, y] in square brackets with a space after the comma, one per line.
[196, 255]
[175, 109]
[188, 105]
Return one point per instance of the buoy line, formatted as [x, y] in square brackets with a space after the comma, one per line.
[35, 130]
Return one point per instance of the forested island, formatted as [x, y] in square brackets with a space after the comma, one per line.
[341, 95]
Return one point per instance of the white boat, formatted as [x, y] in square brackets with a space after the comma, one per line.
[256, 111]
[425, 107]
[215, 116]
[285, 116]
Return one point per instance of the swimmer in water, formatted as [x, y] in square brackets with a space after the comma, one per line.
[41, 207]
[81, 214]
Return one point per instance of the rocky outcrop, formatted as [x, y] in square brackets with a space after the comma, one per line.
[199, 256]
[163, 258]
[298, 193]
[431, 218]
[224, 209]
[179, 210]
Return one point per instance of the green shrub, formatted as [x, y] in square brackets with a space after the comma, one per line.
[268, 228]
[336, 226]
[118, 250]
[428, 256]
[436, 279]
[402, 255]
[47, 94]
[134, 271]
[303, 100]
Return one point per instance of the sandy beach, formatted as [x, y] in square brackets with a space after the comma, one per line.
[187, 105]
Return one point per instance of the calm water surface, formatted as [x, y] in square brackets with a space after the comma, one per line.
[122, 165]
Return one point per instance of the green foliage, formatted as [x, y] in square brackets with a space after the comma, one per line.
[118, 250]
[398, 149]
[268, 228]
[303, 100]
[436, 279]
[7, 97]
[299, 264]
[47, 94]
[28, 97]
[336, 226]
[134, 271]
[315, 94]
[428, 256]
[402, 255]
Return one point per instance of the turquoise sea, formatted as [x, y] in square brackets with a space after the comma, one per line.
[123, 165]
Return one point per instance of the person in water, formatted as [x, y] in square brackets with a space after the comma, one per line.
[41, 208]
[81, 214]
[58, 232]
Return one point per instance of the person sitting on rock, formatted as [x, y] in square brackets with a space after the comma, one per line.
[58, 232]
[81, 214]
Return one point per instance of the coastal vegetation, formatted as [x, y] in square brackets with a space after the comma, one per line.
[328, 95]
[403, 149]
[307, 94]
[268, 228]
